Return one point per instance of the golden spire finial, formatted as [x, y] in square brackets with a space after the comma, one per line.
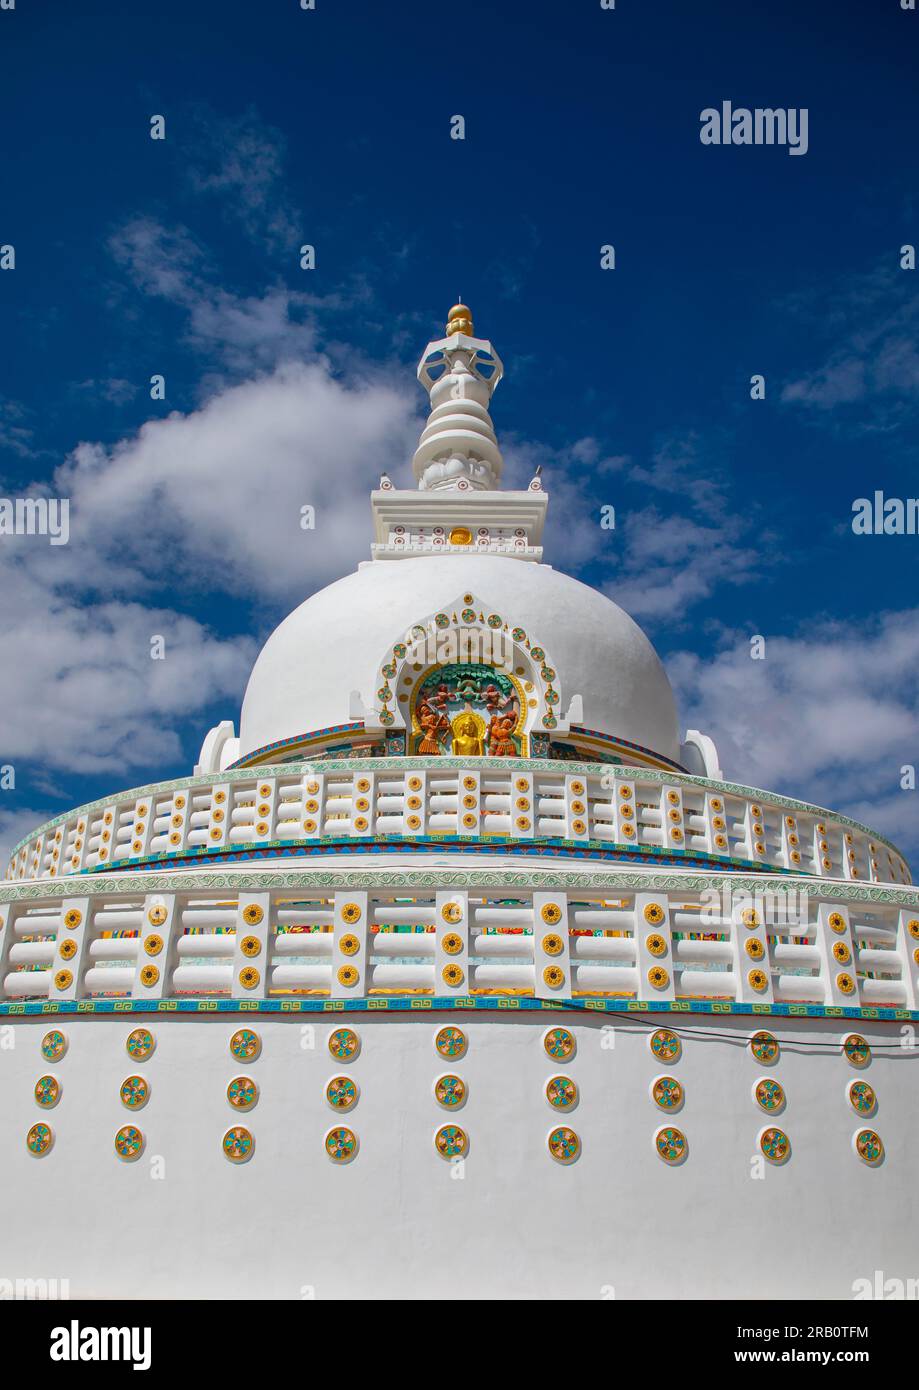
[459, 320]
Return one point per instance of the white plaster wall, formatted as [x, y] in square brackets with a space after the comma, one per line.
[394, 1222]
[333, 644]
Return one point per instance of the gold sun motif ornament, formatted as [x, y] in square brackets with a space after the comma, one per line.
[250, 946]
[134, 1092]
[349, 945]
[553, 976]
[758, 980]
[67, 949]
[654, 914]
[656, 945]
[452, 943]
[351, 913]
[750, 917]
[347, 976]
[73, 918]
[765, 1047]
[841, 952]
[153, 944]
[249, 977]
[452, 975]
[149, 975]
[845, 983]
[857, 1051]
[837, 922]
[658, 977]
[451, 912]
[63, 979]
[869, 1147]
[253, 914]
[551, 914]
[450, 1042]
[755, 948]
[552, 944]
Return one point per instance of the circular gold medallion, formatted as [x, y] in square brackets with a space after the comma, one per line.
[242, 1093]
[349, 945]
[654, 914]
[153, 944]
[656, 945]
[252, 914]
[250, 946]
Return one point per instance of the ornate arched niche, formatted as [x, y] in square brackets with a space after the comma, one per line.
[467, 681]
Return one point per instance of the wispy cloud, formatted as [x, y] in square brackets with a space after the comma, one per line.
[240, 160]
[868, 329]
[831, 714]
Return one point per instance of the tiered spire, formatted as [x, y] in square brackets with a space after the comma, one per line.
[458, 447]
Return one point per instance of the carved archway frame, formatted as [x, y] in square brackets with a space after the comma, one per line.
[413, 655]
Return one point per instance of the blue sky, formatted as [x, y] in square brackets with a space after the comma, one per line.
[632, 386]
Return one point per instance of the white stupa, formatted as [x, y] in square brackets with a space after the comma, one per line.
[458, 972]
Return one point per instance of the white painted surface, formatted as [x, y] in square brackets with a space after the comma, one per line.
[334, 643]
[395, 1223]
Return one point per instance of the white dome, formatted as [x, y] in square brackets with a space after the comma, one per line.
[334, 643]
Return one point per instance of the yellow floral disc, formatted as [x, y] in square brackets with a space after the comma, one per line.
[758, 980]
[149, 975]
[249, 977]
[452, 943]
[350, 913]
[553, 976]
[451, 912]
[845, 983]
[347, 975]
[656, 945]
[252, 914]
[551, 914]
[837, 921]
[349, 945]
[153, 944]
[73, 918]
[250, 946]
[68, 948]
[658, 977]
[452, 975]
[654, 914]
[552, 944]
[841, 952]
[63, 979]
[755, 948]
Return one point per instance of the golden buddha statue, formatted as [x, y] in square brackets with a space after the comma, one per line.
[467, 729]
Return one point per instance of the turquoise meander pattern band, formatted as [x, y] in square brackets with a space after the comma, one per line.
[457, 1003]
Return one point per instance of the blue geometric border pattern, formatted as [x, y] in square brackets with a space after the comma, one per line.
[425, 1004]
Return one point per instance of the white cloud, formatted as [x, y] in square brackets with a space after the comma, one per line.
[240, 159]
[831, 715]
[871, 324]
